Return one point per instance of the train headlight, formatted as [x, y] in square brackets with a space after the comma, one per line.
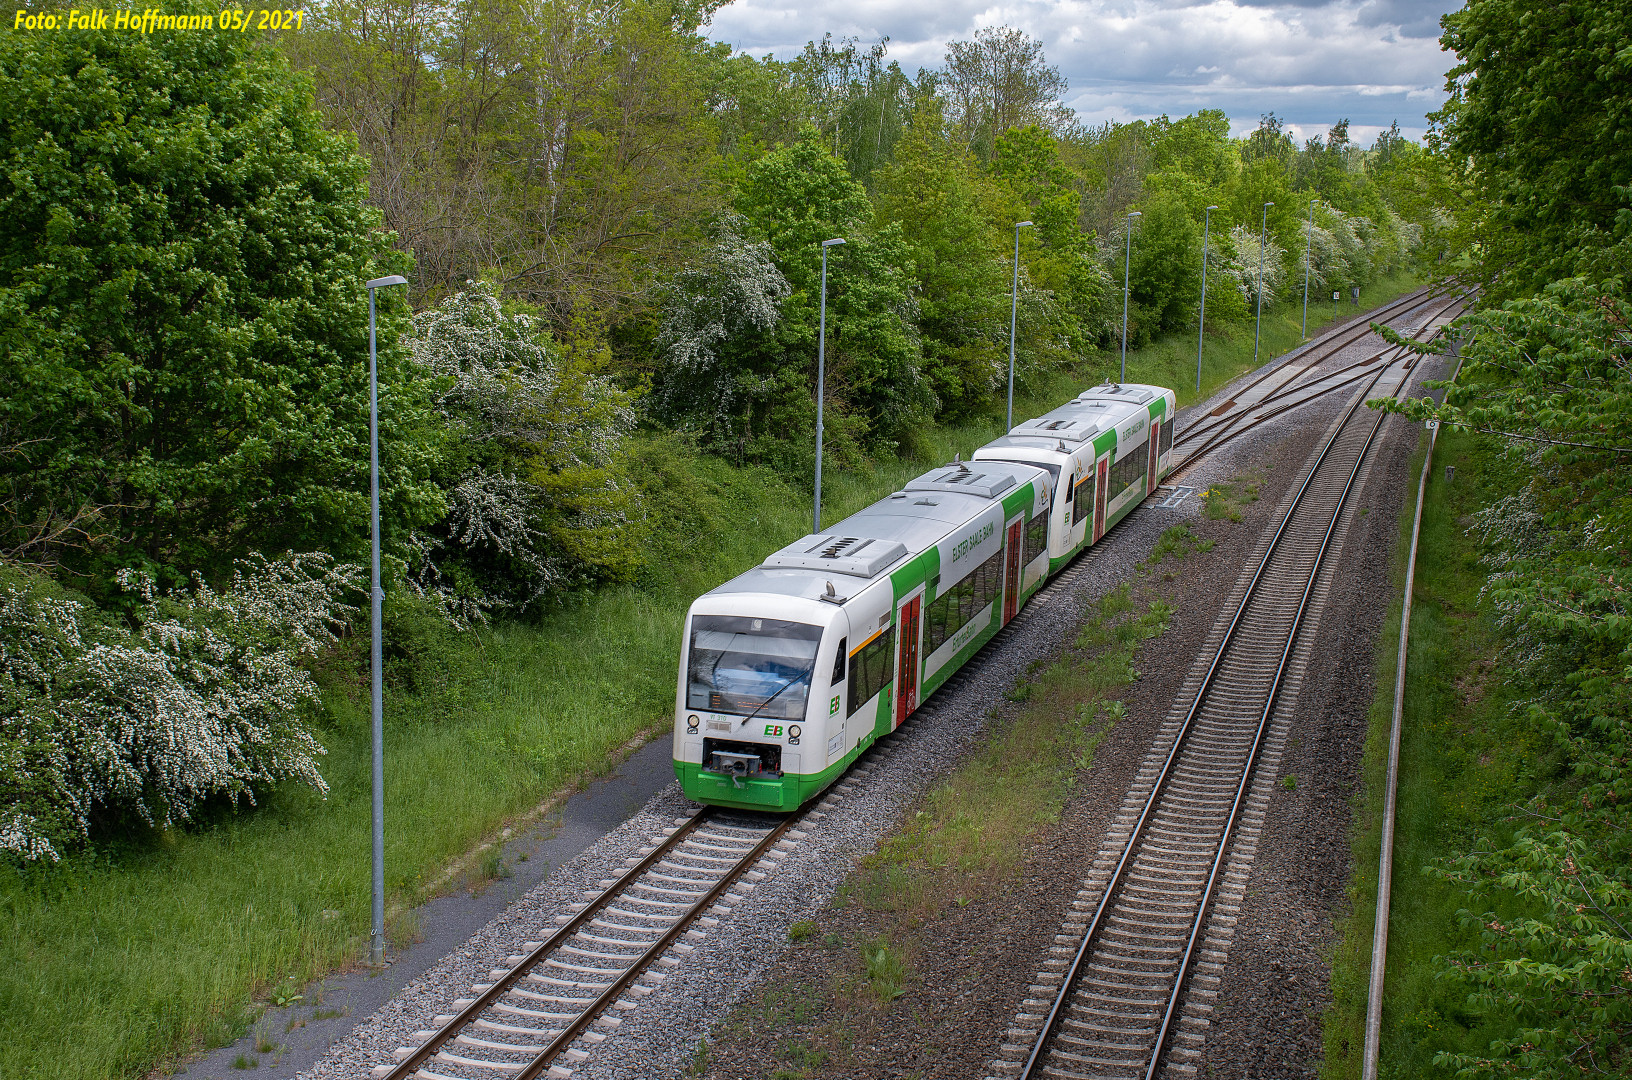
[691, 724]
[793, 734]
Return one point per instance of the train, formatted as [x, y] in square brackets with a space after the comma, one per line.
[791, 670]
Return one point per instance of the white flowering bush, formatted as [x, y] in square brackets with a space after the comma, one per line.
[733, 292]
[203, 696]
[534, 495]
[1254, 268]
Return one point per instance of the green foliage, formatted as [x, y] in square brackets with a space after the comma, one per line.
[1540, 100]
[1550, 375]
[181, 312]
[537, 500]
[799, 196]
[1166, 276]
[885, 970]
[946, 208]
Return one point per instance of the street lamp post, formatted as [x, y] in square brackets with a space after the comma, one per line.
[1206, 224]
[821, 381]
[1127, 261]
[376, 938]
[1014, 306]
[1259, 325]
[1308, 240]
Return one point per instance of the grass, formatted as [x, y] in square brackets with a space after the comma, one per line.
[125, 958]
[971, 829]
[1464, 757]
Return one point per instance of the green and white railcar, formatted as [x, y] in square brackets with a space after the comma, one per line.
[791, 670]
[1112, 443]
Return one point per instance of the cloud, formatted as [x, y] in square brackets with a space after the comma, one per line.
[1311, 62]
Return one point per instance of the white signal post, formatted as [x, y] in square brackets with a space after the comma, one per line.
[376, 936]
[821, 381]
[1127, 261]
[1206, 223]
[1014, 306]
[1259, 325]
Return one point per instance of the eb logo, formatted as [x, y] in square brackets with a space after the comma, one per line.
[833, 706]
[773, 731]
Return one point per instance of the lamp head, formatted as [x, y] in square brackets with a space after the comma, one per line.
[1267, 205]
[1212, 207]
[1135, 213]
[833, 242]
[1022, 225]
[394, 279]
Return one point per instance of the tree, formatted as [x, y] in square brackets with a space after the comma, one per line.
[998, 81]
[564, 145]
[1063, 260]
[944, 206]
[1549, 377]
[796, 197]
[1541, 105]
[536, 498]
[1165, 278]
[182, 316]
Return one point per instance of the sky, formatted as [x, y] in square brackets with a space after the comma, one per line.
[1311, 62]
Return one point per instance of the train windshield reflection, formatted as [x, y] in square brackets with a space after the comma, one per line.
[744, 665]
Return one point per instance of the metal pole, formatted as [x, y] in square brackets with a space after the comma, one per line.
[821, 385]
[1014, 306]
[1127, 261]
[1206, 223]
[1308, 239]
[1259, 325]
[376, 937]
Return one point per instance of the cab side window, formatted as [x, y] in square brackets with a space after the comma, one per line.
[871, 667]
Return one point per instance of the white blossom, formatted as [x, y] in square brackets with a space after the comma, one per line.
[203, 697]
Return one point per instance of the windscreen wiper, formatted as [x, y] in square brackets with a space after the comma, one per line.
[803, 676]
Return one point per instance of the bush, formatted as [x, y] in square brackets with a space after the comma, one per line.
[531, 467]
[202, 698]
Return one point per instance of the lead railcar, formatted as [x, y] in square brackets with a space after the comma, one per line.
[789, 671]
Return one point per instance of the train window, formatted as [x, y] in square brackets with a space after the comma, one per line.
[871, 666]
[1167, 435]
[1036, 537]
[750, 667]
[1085, 498]
[1127, 472]
[838, 662]
[953, 609]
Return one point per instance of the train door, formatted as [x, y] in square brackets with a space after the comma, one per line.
[1102, 481]
[1155, 449]
[906, 679]
[1011, 570]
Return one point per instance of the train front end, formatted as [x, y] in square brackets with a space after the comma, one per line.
[755, 697]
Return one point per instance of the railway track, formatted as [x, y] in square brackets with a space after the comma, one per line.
[1218, 428]
[546, 1011]
[1108, 1004]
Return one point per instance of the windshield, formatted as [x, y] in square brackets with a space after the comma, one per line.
[739, 665]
